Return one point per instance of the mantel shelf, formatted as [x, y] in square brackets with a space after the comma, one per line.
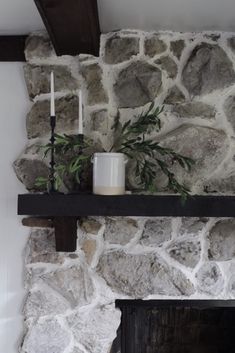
[66, 209]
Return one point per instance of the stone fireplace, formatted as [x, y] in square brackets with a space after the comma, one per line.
[70, 302]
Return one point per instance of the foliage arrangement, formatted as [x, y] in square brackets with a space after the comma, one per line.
[134, 141]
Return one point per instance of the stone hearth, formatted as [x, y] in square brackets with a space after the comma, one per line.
[70, 307]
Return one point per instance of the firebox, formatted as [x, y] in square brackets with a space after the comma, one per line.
[176, 326]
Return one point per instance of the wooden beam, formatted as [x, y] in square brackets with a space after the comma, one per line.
[73, 25]
[12, 48]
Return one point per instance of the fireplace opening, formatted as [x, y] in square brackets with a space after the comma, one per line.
[176, 326]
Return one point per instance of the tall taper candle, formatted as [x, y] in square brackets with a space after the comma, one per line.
[80, 118]
[52, 95]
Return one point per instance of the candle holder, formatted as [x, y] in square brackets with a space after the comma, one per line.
[52, 180]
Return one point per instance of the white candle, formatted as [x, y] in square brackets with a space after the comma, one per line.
[52, 95]
[80, 118]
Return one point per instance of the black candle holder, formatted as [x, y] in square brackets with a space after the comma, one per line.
[52, 179]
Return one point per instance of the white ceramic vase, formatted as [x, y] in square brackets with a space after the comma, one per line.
[109, 173]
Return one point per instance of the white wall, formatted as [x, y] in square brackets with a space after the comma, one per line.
[13, 108]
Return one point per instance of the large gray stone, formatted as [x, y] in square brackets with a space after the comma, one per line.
[38, 79]
[137, 84]
[140, 275]
[27, 170]
[95, 328]
[38, 121]
[156, 232]
[177, 47]
[120, 230]
[224, 185]
[93, 78]
[206, 146]
[186, 251]
[231, 285]
[168, 64]
[210, 279]
[154, 46]
[119, 49]
[195, 109]
[90, 226]
[39, 47]
[74, 284]
[222, 241]
[100, 121]
[208, 69]
[229, 109]
[192, 226]
[174, 96]
[231, 43]
[47, 336]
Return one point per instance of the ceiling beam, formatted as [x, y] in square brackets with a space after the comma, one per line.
[12, 48]
[73, 25]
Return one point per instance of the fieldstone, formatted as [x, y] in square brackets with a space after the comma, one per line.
[186, 251]
[38, 47]
[43, 302]
[192, 226]
[77, 350]
[229, 109]
[231, 43]
[177, 47]
[154, 46]
[222, 241]
[38, 79]
[27, 170]
[208, 69]
[95, 329]
[206, 146]
[95, 89]
[231, 286]
[119, 49]
[210, 279]
[137, 84]
[89, 248]
[156, 232]
[38, 121]
[46, 336]
[167, 64]
[90, 226]
[74, 284]
[195, 109]
[120, 230]
[140, 275]
[224, 185]
[100, 121]
[174, 96]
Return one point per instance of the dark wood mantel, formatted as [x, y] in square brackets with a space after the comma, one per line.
[65, 210]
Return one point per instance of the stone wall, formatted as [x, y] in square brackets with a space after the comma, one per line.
[70, 303]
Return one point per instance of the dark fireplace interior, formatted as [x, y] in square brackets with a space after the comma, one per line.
[159, 326]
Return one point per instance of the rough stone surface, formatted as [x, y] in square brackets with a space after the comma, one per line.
[38, 122]
[207, 69]
[38, 47]
[206, 146]
[224, 185]
[231, 285]
[38, 79]
[177, 47]
[154, 46]
[229, 109]
[100, 121]
[195, 109]
[192, 226]
[137, 84]
[74, 284]
[231, 43]
[27, 170]
[91, 226]
[89, 248]
[169, 65]
[156, 232]
[186, 251]
[141, 275]
[120, 231]
[222, 241]
[174, 96]
[95, 89]
[95, 330]
[119, 49]
[209, 279]
[46, 336]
